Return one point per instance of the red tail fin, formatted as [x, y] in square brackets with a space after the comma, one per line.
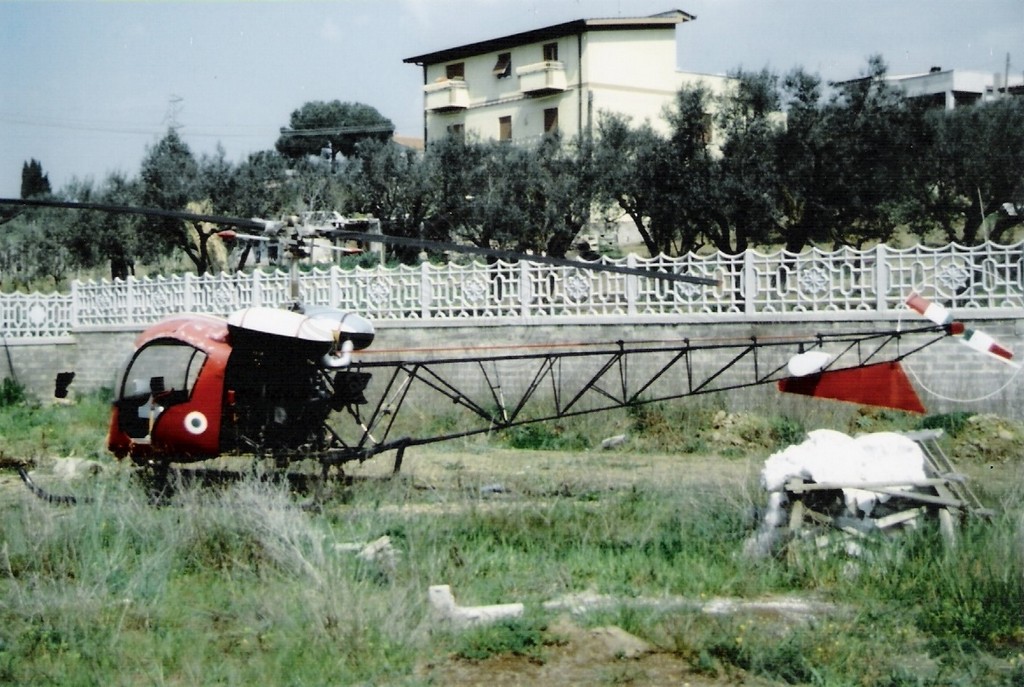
[883, 384]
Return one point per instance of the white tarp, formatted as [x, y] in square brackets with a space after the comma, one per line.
[828, 456]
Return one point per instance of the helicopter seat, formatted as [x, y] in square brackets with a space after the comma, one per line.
[140, 409]
[133, 414]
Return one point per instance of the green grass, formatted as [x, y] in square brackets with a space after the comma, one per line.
[515, 636]
[29, 429]
[701, 425]
[237, 585]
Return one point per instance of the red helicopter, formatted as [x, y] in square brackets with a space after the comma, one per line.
[269, 382]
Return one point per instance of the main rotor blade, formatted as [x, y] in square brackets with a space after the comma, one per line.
[135, 210]
[262, 225]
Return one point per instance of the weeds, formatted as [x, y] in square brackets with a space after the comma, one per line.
[214, 587]
[240, 586]
[545, 437]
[974, 594]
[950, 423]
[11, 393]
[787, 431]
[517, 636]
[31, 429]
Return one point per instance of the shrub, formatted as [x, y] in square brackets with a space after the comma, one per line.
[787, 431]
[544, 436]
[11, 393]
[517, 636]
[950, 423]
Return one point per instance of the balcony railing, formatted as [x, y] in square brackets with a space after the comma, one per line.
[542, 78]
[449, 95]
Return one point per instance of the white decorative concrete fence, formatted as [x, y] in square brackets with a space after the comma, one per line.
[986, 280]
[90, 328]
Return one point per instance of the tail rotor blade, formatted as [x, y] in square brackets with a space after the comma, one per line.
[982, 342]
[973, 338]
[935, 312]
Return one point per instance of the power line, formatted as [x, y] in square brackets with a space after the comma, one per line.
[131, 130]
[109, 128]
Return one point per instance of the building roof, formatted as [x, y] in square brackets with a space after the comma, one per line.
[410, 142]
[656, 21]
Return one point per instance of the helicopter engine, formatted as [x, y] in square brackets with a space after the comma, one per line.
[280, 392]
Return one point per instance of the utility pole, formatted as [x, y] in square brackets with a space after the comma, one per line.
[174, 108]
[1006, 78]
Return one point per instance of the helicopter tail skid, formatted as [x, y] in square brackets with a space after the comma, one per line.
[39, 492]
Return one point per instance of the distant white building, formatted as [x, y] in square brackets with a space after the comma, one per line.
[557, 78]
[950, 88]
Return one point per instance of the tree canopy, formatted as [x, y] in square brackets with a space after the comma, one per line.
[34, 182]
[331, 128]
[116, 239]
[969, 183]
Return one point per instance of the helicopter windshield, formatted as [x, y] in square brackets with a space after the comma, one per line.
[164, 369]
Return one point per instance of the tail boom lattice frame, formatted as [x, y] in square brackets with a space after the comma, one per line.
[496, 392]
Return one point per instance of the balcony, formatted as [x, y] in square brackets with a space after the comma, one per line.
[450, 95]
[542, 78]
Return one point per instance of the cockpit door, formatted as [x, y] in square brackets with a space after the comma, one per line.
[159, 375]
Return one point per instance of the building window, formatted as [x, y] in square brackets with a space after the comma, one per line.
[503, 68]
[551, 120]
[551, 52]
[456, 71]
[504, 128]
[457, 131]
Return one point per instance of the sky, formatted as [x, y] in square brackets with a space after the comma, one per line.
[87, 86]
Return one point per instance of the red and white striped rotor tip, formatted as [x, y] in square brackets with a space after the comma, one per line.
[973, 338]
[936, 312]
[980, 341]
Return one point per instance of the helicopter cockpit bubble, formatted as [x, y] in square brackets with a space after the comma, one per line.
[158, 375]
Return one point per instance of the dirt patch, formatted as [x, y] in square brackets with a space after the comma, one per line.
[530, 471]
[989, 439]
[582, 656]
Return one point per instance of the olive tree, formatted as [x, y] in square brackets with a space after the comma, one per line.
[969, 183]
